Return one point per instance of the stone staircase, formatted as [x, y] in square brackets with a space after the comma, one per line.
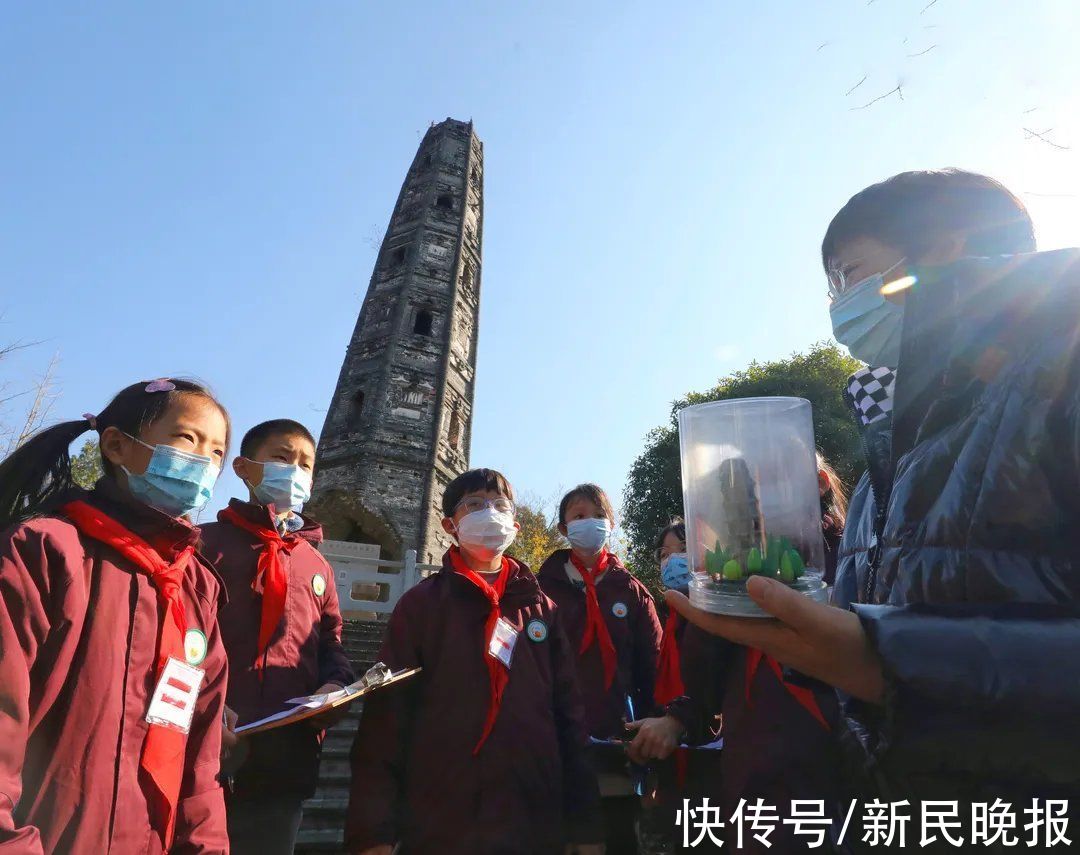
[324, 814]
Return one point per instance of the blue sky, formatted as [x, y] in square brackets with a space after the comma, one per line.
[200, 188]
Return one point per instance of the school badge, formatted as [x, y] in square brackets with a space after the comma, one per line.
[194, 646]
[318, 584]
[620, 610]
[537, 631]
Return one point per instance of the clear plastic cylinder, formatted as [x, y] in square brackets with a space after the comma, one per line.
[750, 488]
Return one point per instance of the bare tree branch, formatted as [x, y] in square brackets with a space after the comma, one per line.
[922, 52]
[928, 5]
[820, 46]
[9, 349]
[16, 395]
[897, 91]
[44, 398]
[856, 86]
[1042, 136]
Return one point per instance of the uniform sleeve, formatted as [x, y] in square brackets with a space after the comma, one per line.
[25, 605]
[380, 749]
[334, 665]
[705, 663]
[647, 635]
[1012, 663]
[200, 820]
[581, 794]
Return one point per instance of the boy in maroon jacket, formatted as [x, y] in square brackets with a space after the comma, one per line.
[483, 751]
[611, 622]
[281, 628]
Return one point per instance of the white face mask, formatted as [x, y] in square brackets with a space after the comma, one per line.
[589, 535]
[486, 533]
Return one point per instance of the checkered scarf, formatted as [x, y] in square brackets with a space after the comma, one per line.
[872, 390]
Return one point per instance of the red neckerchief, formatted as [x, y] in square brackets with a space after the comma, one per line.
[595, 628]
[163, 751]
[270, 576]
[804, 696]
[498, 674]
[669, 684]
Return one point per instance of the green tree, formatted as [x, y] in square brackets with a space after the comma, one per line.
[86, 466]
[539, 535]
[653, 493]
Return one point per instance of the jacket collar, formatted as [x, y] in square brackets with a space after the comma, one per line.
[961, 323]
[166, 534]
[266, 516]
[520, 586]
[554, 568]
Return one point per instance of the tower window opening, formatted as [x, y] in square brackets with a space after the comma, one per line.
[423, 322]
[453, 434]
[397, 256]
[357, 414]
[445, 202]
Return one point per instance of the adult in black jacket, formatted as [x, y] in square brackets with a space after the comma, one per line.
[957, 640]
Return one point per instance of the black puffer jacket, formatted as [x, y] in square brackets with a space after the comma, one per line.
[961, 553]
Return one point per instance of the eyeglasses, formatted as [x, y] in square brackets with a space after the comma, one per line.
[838, 284]
[472, 504]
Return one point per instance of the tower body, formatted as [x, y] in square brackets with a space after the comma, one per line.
[400, 423]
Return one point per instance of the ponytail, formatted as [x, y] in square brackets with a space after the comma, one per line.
[38, 473]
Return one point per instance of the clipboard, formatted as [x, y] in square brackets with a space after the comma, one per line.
[314, 705]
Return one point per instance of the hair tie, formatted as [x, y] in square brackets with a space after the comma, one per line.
[162, 384]
[90, 417]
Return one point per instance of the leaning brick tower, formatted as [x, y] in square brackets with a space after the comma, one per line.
[399, 426]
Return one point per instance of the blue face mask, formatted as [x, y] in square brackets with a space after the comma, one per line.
[675, 572]
[589, 535]
[867, 324]
[283, 485]
[175, 482]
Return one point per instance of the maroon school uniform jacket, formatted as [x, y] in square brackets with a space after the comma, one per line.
[304, 653]
[635, 631]
[704, 665]
[79, 629]
[695, 774]
[415, 778]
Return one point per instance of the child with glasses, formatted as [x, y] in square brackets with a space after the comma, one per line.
[484, 750]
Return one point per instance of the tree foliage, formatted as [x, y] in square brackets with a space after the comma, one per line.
[539, 535]
[653, 494]
[86, 466]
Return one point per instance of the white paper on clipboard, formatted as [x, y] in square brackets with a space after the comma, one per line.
[304, 708]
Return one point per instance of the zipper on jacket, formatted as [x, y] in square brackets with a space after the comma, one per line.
[873, 553]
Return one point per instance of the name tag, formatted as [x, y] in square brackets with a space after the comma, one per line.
[173, 703]
[502, 641]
